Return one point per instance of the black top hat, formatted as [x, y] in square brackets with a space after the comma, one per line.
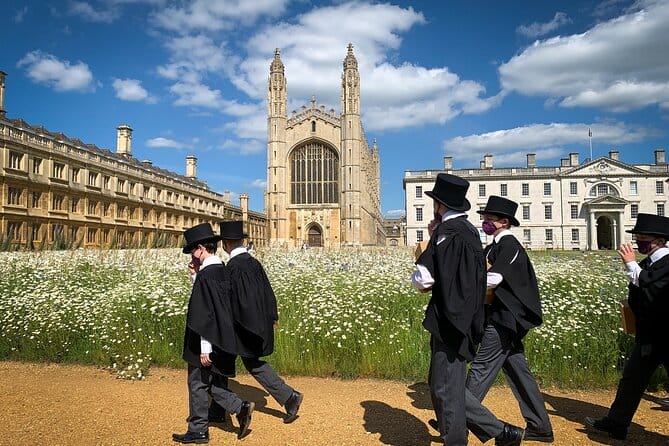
[232, 230]
[198, 235]
[501, 207]
[450, 191]
[651, 224]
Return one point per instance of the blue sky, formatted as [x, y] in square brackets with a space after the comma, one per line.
[437, 78]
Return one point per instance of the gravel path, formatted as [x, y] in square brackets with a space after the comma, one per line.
[47, 404]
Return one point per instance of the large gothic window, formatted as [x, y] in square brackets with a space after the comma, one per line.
[603, 189]
[314, 174]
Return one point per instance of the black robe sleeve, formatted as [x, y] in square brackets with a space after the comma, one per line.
[455, 312]
[254, 306]
[210, 316]
[650, 303]
[517, 304]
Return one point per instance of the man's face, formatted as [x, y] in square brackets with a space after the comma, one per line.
[196, 255]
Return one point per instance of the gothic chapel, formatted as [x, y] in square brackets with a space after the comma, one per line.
[323, 180]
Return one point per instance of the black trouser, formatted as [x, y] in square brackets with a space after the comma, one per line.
[202, 382]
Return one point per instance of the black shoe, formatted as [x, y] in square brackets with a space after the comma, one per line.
[510, 436]
[434, 424]
[663, 402]
[244, 418]
[292, 406]
[544, 437]
[191, 437]
[612, 428]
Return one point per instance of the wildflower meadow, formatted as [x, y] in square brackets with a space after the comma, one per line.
[343, 313]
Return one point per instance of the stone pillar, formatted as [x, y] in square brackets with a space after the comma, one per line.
[124, 140]
[593, 232]
[244, 204]
[191, 167]
[2, 94]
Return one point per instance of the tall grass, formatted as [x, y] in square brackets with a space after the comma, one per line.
[342, 313]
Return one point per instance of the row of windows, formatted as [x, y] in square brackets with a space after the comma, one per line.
[527, 235]
[548, 211]
[106, 183]
[596, 191]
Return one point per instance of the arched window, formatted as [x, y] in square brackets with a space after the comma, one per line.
[313, 126]
[603, 189]
[314, 175]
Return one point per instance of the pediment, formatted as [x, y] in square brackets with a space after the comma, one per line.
[604, 166]
[606, 200]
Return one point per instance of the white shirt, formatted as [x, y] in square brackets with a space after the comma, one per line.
[421, 278]
[238, 250]
[494, 279]
[205, 346]
[632, 269]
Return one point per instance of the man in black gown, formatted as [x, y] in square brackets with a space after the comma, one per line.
[255, 314]
[453, 267]
[209, 342]
[513, 308]
[648, 295]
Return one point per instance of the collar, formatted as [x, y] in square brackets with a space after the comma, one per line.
[452, 214]
[658, 254]
[238, 250]
[499, 236]
[211, 260]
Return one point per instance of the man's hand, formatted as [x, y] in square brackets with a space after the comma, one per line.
[205, 360]
[626, 252]
[432, 226]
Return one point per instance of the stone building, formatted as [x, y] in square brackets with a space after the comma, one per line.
[584, 206]
[323, 180]
[61, 191]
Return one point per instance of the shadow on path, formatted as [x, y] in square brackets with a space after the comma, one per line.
[420, 396]
[576, 411]
[396, 426]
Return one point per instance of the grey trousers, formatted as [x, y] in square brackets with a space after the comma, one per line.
[500, 350]
[447, 376]
[269, 379]
[201, 383]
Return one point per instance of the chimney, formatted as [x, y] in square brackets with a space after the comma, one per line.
[613, 154]
[244, 204]
[226, 196]
[573, 159]
[123, 140]
[482, 164]
[2, 93]
[147, 163]
[564, 162]
[191, 167]
[659, 156]
[487, 161]
[448, 163]
[531, 160]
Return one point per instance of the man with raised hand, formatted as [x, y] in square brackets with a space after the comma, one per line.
[648, 296]
[209, 342]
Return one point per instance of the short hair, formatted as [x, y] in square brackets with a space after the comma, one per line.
[210, 247]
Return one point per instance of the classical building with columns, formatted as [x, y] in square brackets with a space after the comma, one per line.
[323, 179]
[59, 191]
[584, 206]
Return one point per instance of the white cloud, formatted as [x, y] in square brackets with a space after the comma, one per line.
[131, 90]
[618, 65]
[20, 14]
[392, 96]
[537, 29]
[61, 75]
[161, 142]
[395, 213]
[547, 141]
[216, 15]
[244, 147]
[196, 95]
[88, 13]
[258, 184]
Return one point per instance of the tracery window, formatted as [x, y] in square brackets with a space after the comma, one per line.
[314, 174]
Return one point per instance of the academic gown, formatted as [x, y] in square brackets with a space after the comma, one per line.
[516, 305]
[210, 316]
[255, 309]
[650, 303]
[454, 314]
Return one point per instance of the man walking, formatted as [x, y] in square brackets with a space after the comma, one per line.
[209, 341]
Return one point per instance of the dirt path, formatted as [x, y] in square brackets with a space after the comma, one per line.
[45, 404]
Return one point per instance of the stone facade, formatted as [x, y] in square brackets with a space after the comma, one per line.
[585, 206]
[61, 191]
[323, 180]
